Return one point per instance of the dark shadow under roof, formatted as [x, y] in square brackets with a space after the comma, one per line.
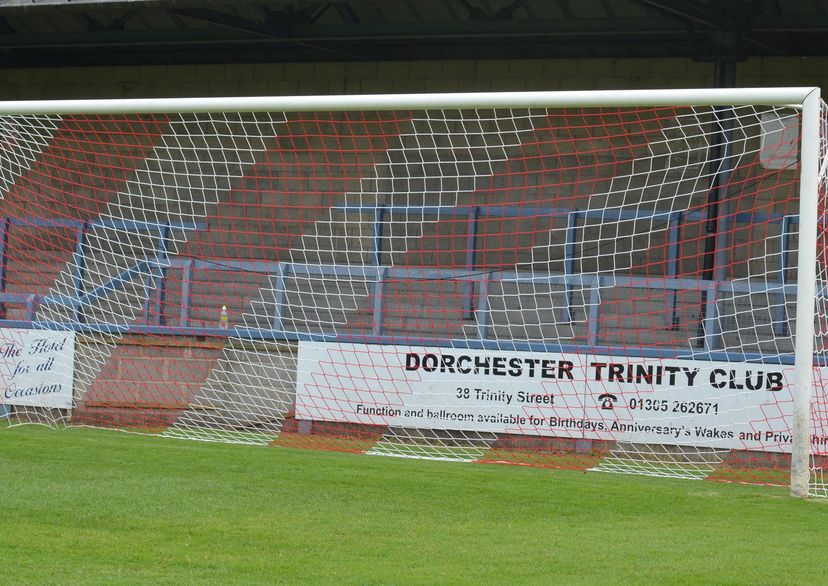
[99, 32]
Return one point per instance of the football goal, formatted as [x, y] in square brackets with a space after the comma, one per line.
[619, 281]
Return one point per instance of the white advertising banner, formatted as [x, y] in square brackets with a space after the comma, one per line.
[37, 368]
[648, 400]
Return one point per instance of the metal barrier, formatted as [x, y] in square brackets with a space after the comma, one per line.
[154, 273]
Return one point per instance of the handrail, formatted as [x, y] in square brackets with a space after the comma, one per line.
[383, 274]
[154, 270]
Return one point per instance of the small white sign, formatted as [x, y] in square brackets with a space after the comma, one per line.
[661, 401]
[780, 141]
[37, 368]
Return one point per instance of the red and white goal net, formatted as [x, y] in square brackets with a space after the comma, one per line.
[554, 279]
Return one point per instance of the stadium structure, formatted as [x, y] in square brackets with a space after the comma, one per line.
[607, 280]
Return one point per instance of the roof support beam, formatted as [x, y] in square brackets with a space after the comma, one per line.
[264, 32]
[688, 11]
[227, 20]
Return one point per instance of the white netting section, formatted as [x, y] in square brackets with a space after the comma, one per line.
[819, 413]
[435, 164]
[603, 288]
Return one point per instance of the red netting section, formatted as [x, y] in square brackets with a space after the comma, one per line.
[588, 288]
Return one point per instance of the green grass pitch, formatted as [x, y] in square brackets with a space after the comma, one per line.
[91, 506]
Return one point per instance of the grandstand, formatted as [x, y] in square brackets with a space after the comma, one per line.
[650, 233]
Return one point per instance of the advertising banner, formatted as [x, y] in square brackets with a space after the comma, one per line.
[37, 368]
[730, 405]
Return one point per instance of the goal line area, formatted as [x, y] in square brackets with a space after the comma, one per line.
[616, 281]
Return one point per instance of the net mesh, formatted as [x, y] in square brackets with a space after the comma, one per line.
[609, 288]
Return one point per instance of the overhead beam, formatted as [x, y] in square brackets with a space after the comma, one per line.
[115, 38]
[211, 33]
[688, 11]
[789, 23]
[694, 14]
[227, 20]
[5, 27]
[229, 31]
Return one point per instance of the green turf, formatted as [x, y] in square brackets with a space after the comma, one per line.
[89, 506]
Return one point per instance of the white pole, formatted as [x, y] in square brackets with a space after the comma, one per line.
[805, 296]
[538, 99]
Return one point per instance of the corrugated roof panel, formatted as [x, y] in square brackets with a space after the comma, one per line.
[152, 20]
[205, 30]
[794, 7]
[369, 13]
[36, 23]
[587, 9]
[631, 9]
[546, 10]
[407, 11]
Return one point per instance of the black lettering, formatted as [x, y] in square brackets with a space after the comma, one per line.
[499, 366]
[672, 370]
[644, 373]
[717, 372]
[775, 381]
[447, 363]
[412, 361]
[547, 369]
[691, 375]
[760, 379]
[565, 369]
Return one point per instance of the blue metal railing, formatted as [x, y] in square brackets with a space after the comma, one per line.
[711, 347]
[154, 272]
[79, 299]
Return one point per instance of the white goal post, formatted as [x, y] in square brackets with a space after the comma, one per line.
[512, 276]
